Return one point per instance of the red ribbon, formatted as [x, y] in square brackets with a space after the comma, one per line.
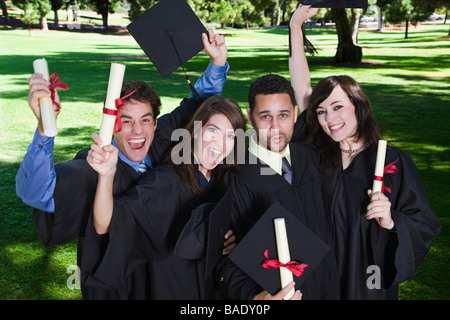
[54, 80]
[390, 168]
[293, 266]
[119, 103]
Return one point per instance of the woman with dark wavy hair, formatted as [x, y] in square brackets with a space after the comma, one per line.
[379, 239]
[145, 224]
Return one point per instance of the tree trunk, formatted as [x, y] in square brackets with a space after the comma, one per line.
[278, 12]
[105, 20]
[406, 29]
[356, 13]
[380, 20]
[44, 25]
[56, 24]
[5, 11]
[105, 15]
[346, 50]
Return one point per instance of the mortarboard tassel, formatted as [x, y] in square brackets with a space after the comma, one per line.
[309, 47]
[197, 96]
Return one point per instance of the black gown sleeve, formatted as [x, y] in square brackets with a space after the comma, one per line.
[74, 192]
[300, 133]
[416, 224]
[167, 123]
[245, 212]
[144, 227]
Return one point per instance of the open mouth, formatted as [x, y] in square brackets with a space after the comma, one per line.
[336, 127]
[213, 155]
[136, 144]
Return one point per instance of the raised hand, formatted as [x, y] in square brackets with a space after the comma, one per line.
[39, 88]
[214, 46]
[103, 160]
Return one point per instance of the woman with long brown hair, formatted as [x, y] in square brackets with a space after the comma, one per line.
[379, 239]
[144, 225]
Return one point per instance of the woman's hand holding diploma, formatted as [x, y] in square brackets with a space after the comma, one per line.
[380, 209]
[104, 161]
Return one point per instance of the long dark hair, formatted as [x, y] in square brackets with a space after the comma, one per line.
[213, 105]
[367, 129]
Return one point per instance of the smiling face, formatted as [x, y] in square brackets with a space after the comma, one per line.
[217, 141]
[273, 118]
[138, 129]
[336, 116]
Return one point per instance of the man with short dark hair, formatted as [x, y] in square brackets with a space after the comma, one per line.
[277, 170]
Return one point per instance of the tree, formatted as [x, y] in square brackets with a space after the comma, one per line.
[247, 14]
[413, 11]
[56, 5]
[346, 51]
[276, 9]
[5, 11]
[34, 10]
[138, 7]
[104, 7]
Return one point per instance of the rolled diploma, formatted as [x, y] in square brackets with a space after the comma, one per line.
[379, 165]
[48, 116]
[283, 254]
[114, 88]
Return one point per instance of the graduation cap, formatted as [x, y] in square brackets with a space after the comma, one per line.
[170, 34]
[219, 224]
[208, 225]
[258, 249]
[336, 3]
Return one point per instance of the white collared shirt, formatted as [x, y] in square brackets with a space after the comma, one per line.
[271, 158]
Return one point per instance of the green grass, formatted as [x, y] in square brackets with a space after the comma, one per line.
[407, 81]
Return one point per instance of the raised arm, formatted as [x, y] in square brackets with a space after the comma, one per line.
[36, 178]
[213, 79]
[104, 161]
[298, 65]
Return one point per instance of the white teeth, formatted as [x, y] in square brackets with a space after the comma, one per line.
[337, 126]
[218, 153]
[136, 140]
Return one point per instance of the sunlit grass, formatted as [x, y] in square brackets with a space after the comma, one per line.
[407, 82]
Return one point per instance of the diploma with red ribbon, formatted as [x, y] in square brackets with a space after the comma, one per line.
[283, 256]
[379, 167]
[299, 251]
[46, 104]
[293, 266]
[110, 110]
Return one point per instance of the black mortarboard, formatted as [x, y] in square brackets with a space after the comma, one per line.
[219, 224]
[304, 245]
[169, 33]
[336, 3]
[204, 233]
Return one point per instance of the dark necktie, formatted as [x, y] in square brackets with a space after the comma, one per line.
[142, 167]
[286, 170]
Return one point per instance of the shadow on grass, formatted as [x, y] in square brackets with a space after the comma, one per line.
[28, 270]
[410, 116]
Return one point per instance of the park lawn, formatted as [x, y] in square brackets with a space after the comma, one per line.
[407, 81]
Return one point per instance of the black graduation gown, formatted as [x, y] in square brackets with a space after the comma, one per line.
[145, 228]
[74, 194]
[360, 243]
[254, 193]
